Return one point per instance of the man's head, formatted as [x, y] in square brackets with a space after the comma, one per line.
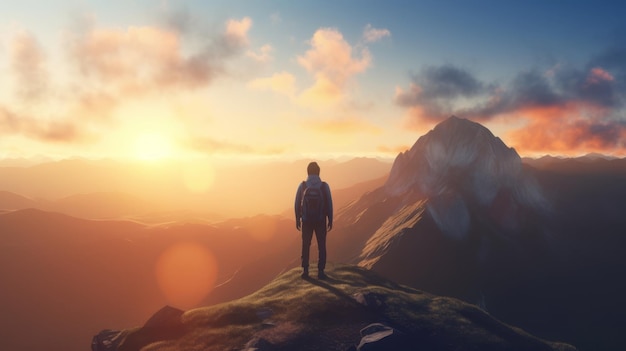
[313, 169]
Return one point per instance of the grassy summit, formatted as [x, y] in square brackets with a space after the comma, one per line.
[294, 314]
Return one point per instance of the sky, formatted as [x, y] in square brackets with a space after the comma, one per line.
[146, 80]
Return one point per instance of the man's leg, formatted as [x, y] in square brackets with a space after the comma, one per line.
[307, 235]
[320, 235]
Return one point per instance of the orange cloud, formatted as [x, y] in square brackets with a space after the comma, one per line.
[332, 64]
[237, 30]
[343, 126]
[597, 75]
[570, 129]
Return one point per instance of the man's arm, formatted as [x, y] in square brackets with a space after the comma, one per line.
[297, 206]
[329, 204]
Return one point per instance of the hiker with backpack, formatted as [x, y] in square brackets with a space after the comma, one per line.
[314, 213]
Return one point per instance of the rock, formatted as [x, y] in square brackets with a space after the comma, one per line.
[165, 317]
[369, 299]
[378, 336]
[107, 340]
[166, 324]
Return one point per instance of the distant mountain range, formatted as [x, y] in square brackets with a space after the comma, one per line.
[153, 192]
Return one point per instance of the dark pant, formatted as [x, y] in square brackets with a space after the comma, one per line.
[320, 234]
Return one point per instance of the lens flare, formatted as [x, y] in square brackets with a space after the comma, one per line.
[186, 273]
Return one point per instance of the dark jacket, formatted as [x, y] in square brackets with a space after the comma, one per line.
[313, 180]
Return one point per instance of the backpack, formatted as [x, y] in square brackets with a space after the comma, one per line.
[313, 203]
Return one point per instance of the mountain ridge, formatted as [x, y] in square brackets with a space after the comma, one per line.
[279, 317]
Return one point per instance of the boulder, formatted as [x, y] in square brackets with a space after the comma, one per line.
[379, 337]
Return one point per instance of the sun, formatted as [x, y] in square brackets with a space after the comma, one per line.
[152, 147]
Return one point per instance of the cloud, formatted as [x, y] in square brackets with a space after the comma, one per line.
[570, 134]
[28, 64]
[332, 63]
[49, 131]
[433, 92]
[283, 83]
[142, 59]
[343, 126]
[237, 31]
[371, 34]
[110, 66]
[213, 146]
[564, 109]
[264, 54]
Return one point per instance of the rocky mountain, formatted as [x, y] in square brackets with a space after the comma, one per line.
[459, 189]
[461, 215]
[460, 164]
[353, 310]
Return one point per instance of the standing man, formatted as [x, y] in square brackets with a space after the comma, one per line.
[314, 213]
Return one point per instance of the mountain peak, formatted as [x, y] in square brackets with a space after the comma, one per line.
[460, 163]
[454, 145]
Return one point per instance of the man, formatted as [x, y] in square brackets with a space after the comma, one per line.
[314, 213]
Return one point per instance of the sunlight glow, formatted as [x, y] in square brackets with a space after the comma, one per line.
[152, 146]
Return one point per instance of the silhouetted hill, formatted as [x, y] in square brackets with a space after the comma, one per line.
[11, 201]
[295, 314]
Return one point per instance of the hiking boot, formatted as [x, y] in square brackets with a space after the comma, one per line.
[321, 275]
[305, 274]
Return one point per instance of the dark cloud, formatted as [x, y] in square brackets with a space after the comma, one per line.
[449, 82]
[434, 90]
[532, 89]
[566, 108]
